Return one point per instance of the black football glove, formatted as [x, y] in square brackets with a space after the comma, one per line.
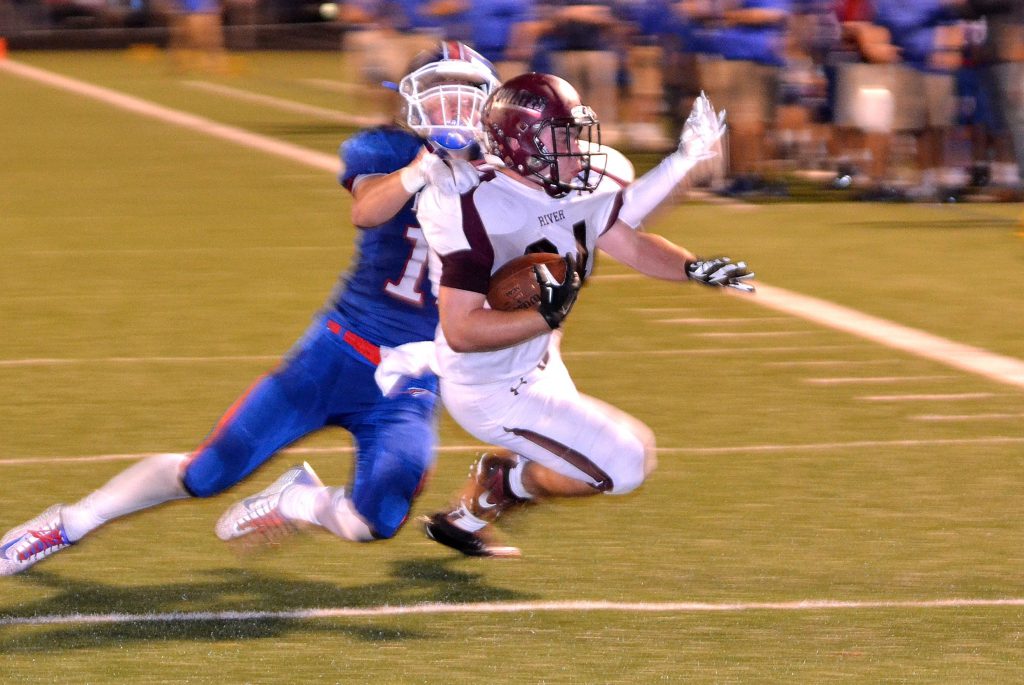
[720, 272]
[557, 299]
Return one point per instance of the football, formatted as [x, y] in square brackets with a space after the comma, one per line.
[514, 286]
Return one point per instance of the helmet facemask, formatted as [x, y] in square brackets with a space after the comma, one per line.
[444, 100]
[567, 138]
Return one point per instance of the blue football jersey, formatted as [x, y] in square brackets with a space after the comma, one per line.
[385, 295]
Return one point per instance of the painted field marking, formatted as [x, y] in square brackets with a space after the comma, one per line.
[138, 360]
[966, 417]
[615, 277]
[659, 310]
[511, 608]
[340, 86]
[287, 105]
[937, 397]
[177, 250]
[298, 451]
[174, 117]
[711, 351]
[750, 334]
[832, 362]
[55, 361]
[873, 379]
[697, 451]
[974, 360]
[699, 321]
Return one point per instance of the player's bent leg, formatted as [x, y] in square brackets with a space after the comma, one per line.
[396, 454]
[277, 410]
[149, 482]
[573, 446]
[491, 490]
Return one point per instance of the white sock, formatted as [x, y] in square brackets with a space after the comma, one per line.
[515, 480]
[145, 484]
[463, 518]
[334, 511]
[298, 502]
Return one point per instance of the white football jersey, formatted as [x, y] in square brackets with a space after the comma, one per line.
[474, 235]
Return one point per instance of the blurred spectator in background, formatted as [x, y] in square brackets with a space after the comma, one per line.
[803, 120]
[991, 159]
[745, 42]
[680, 78]
[641, 76]
[197, 36]
[582, 42]
[862, 71]
[383, 37]
[931, 42]
[503, 31]
[1003, 59]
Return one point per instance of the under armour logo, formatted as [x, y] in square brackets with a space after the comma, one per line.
[521, 383]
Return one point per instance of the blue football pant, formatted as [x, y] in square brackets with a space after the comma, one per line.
[326, 382]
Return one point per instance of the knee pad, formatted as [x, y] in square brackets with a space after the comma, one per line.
[634, 461]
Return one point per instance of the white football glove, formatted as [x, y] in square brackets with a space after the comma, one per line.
[449, 175]
[720, 272]
[702, 130]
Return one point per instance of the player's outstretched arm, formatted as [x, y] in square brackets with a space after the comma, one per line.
[698, 141]
[658, 257]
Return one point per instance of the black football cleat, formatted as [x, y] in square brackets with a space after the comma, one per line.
[439, 529]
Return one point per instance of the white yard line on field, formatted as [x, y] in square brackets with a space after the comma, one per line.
[832, 362]
[137, 360]
[174, 117]
[967, 417]
[513, 608]
[700, 321]
[749, 334]
[936, 397]
[974, 360]
[56, 361]
[341, 86]
[873, 379]
[287, 105]
[696, 451]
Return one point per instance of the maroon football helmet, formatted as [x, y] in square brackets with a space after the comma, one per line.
[535, 120]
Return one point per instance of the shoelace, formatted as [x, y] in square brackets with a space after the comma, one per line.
[43, 541]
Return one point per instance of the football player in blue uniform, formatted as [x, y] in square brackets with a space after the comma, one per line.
[382, 303]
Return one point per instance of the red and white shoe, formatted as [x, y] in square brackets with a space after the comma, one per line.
[32, 542]
[261, 513]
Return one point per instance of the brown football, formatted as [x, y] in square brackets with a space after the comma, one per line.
[514, 286]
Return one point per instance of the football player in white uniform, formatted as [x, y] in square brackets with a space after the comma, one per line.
[502, 377]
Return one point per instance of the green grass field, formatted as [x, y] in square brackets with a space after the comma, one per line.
[149, 273]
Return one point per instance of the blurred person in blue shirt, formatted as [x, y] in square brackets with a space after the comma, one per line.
[743, 44]
[931, 43]
[503, 31]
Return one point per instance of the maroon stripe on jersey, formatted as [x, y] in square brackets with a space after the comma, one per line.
[602, 482]
[470, 269]
[613, 216]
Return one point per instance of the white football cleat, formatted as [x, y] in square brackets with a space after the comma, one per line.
[32, 541]
[261, 513]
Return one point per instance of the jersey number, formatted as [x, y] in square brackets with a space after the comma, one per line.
[408, 286]
[579, 231]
